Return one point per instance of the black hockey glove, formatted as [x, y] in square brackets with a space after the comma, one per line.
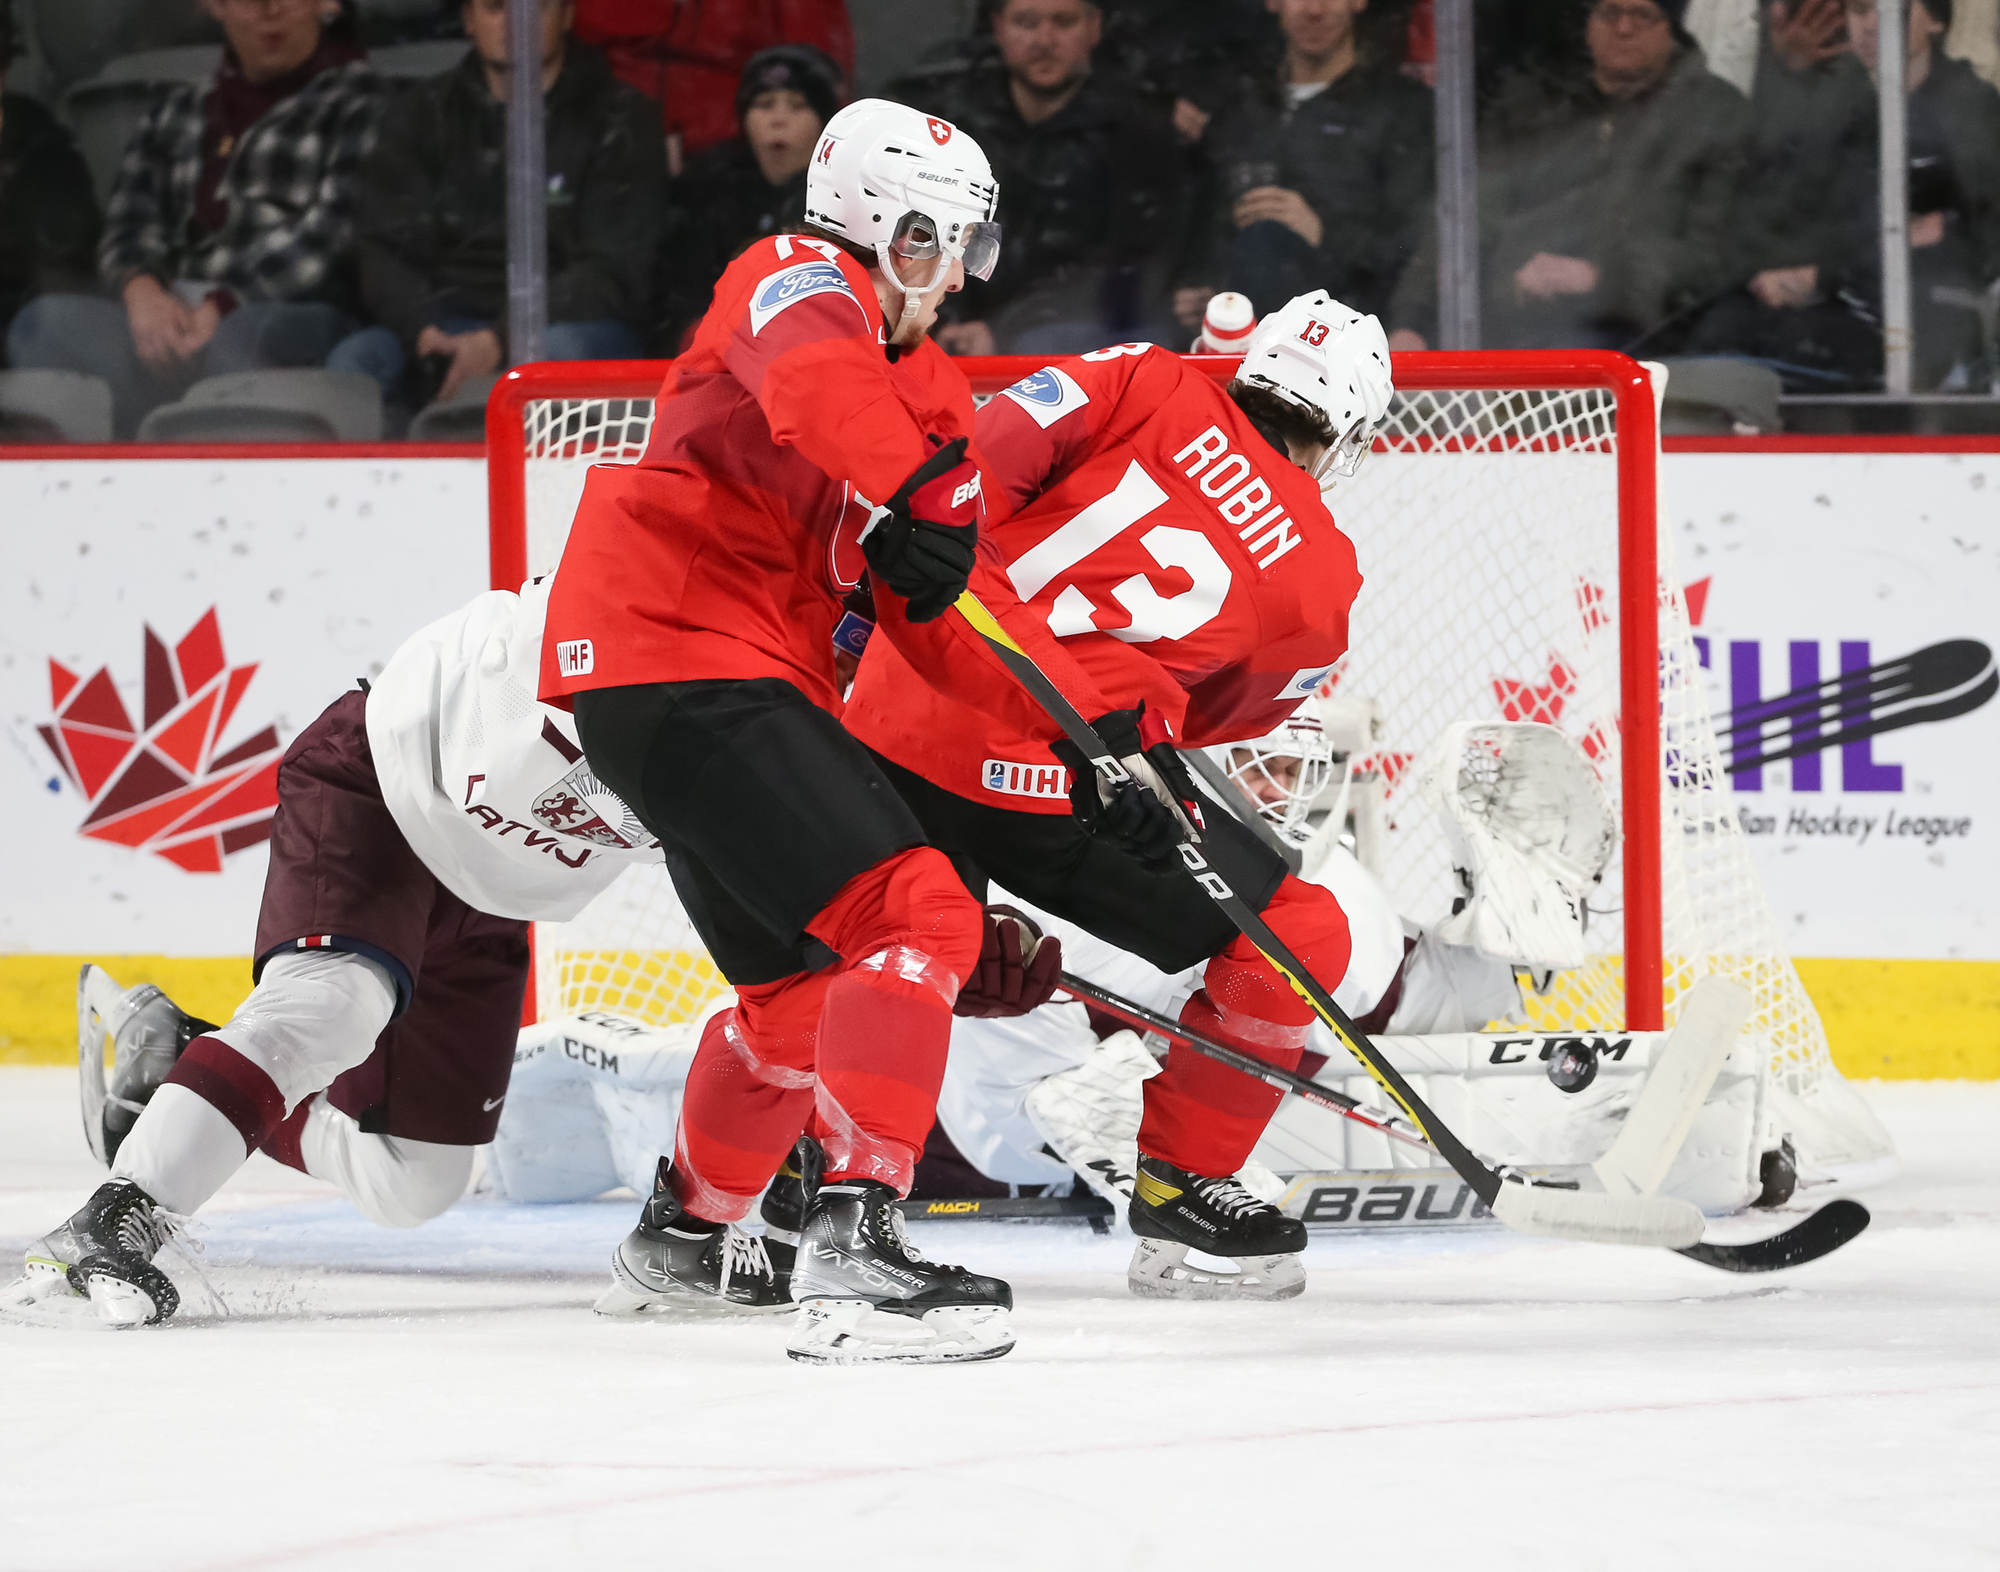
[1018, 968]
[1151, 814]
[924, 548]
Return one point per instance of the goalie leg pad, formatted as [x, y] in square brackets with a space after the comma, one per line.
[1160, 1269]
[1203, 1116]
[1090, 1115]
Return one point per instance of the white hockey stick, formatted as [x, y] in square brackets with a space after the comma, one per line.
[1677, 1085]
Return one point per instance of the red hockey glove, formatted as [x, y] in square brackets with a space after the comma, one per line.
[924, 549]
[1152, 814]
[1018, 968]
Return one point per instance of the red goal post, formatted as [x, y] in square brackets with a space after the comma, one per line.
[1625, 433]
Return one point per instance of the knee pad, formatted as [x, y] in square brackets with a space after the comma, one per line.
[395, 1182]
[910, 918]
[312, 1015]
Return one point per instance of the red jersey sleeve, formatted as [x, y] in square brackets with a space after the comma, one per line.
[807, 347]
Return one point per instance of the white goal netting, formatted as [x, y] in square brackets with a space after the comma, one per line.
[1488, 529]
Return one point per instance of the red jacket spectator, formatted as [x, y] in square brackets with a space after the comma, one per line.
[689, 54]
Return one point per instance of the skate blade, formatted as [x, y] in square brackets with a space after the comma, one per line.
[42, 1296]
[853, 1332]
[120, 1304]
[1160, 1270]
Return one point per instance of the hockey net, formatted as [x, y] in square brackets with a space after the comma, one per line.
[1508, 529]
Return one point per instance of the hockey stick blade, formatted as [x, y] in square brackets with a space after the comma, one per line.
[1832, 1226]
[1602, 1219]
[1678, 1084]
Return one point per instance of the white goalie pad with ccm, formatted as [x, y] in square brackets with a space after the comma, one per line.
[1531, 830]
[1493, 1090]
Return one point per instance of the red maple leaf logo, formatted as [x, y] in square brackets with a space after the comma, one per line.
[940, 130]
[1536, 701]
[162, 787]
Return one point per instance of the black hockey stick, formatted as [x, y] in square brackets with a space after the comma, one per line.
[1529, 1208]
[1089, 1208]
[1825, 1231]
[1284, 1080]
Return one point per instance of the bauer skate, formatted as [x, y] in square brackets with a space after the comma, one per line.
[147, 1033]
[1174, 1211]
[866, 1295]
[105, 1254]
[674, 1261]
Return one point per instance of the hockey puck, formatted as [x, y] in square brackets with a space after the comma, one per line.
[1572, 1066]
[1777, 1175]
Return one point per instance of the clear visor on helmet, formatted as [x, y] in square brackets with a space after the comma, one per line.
[976, 243]
[1343, 457]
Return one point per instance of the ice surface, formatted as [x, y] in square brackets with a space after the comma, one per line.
[444, 1398]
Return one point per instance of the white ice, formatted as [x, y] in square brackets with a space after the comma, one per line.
[444, 1398]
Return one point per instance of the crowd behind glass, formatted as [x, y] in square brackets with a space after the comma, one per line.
[326, 190]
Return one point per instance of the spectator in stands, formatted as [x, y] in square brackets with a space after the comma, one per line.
[1092, 203]
[1322, 174]
[1603, 208]
[689, 55]
[750, 186]
[1807, 225]
[433, 214]
[48, 216]
[227, 237]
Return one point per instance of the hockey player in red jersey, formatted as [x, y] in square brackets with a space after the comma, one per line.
[1173, 536]
[692, 627]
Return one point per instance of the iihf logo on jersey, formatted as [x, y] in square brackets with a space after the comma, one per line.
[166, 785]
[1012, 778]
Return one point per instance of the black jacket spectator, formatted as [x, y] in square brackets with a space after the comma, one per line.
[1637, 190]
[433, 233]
[1359, 151]
[717, 208]
[1093, 208]
[48, 216]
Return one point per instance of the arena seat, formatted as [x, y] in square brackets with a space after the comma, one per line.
[67, 405]
[272, 406]
[105, 110]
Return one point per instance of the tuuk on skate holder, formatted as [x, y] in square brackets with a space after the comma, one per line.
[1522, 1205]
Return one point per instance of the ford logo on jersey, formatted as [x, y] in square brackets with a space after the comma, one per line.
[1041, 387]
[793, 285]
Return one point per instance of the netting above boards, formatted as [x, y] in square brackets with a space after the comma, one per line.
[1506, 533]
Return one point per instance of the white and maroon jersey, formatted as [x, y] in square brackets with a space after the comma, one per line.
[487, 783]
[1172, 552]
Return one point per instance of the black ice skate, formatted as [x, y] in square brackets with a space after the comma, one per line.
[146, 1032]
[1174, 1211]
[676, 1261]
[105, 1253]
[784, 1207]
[866, 1294]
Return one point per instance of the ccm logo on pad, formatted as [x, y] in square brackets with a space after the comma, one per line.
[575, 657]
[1014, 779]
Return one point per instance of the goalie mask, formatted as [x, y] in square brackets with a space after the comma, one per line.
[1283, 773]
[900, 183]
[1331, 362]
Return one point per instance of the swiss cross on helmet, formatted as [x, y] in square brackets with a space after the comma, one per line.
[888, 178]
[1331, 361]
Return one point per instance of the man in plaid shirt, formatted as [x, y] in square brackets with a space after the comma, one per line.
[228, 236]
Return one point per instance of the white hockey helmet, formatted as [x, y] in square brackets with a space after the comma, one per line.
[1284, 772]
[1331, 361]
[888, 178]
